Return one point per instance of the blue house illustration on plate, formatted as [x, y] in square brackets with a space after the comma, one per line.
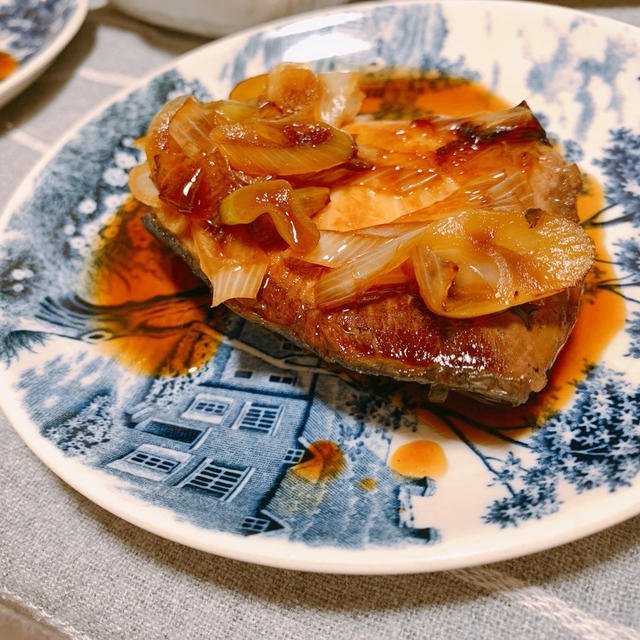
[222, 447]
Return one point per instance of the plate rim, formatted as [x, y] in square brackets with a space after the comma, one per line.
[27, 430]
[26, 74]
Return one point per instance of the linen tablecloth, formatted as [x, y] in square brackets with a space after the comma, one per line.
[70, 569]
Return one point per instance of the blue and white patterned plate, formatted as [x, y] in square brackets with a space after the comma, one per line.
[261, 453]
[34, 32]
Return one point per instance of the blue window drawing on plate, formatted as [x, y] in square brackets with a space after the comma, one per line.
[258, 416]
[153, 462]
[293, 456]
[208, 408]
[282, 379]
[252, 524]
[220, 481]
[241, 373]
[172, 431]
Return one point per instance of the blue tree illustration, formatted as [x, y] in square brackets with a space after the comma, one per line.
[620, 165]
[595, 443]
[633, 328]
[626, 285]
[86, 429]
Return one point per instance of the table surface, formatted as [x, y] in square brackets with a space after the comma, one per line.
[70, 569]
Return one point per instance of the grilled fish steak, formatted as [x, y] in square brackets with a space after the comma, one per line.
[422, 185]
[500, 357]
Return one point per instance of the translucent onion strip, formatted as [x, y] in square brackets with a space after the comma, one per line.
[485, 122]
[236, 281]
[400, 179]
[340, 97]
[344, 283]
[433, 275]
[309, 200]
[229, 277]
[497, 191]
[276, 199]
[482, 262]
[335, 248]
[142, 187]
[270, 147]
[190, 127]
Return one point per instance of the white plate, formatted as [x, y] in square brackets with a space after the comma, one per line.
[215, 17]
[34, 32]
[209, 459]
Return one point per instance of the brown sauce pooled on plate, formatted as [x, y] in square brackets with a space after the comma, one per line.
[8, 64]
[155, 309]
[166, 325]
[404, 97]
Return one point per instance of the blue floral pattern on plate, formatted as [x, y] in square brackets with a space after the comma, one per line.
[263, 453]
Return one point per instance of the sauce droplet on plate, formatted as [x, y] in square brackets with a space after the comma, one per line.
[419, 459]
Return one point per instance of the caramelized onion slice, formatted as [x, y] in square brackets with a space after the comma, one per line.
[142, 187]
[251, 89]
[340, 97]
[336, 248]
[275, 198]
[157, 138]
[486, 124]
[469, 264]
[293, 88]
[310, 200]
[345, 283]
[230, 110]
[190, 128]
[192, 185]
[272, 147]
[498, 191]
[236, 276]
[482, 262]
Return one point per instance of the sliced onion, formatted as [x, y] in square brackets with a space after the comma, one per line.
[193, 185]
[399, 179]
[142, 187]
[251, 89]
[275, 198]
[238, 281]
[340, 97]
[230, 110]
[271, 147]
[157, 138]
[399, 275]
[345, 283]
[497, 191]
[230, 277]
[482, 262]
[485, 122]
[190, 128]
[309, 200]
[348, 171]
[293, 88]
[336, 248]
[434, 277]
